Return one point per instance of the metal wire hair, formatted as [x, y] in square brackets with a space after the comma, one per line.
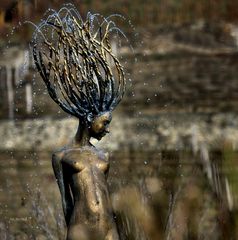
[76, 62]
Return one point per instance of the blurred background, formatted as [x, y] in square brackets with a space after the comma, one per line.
[174, 137]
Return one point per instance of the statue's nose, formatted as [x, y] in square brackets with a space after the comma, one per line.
[107, 130]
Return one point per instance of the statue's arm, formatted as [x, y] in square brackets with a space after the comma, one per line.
[62, 180]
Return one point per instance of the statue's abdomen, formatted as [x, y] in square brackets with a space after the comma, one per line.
[91, 199]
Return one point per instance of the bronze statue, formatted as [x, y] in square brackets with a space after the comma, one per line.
[84, 77]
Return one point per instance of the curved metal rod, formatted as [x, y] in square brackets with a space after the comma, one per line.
[77, 64]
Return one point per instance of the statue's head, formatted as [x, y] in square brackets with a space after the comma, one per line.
[99, 126]
[76, 62]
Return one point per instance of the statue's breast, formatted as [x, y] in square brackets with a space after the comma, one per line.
[85, 158]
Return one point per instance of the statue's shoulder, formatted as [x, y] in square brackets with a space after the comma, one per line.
[92, 151]
[80, 152]
[59, 153]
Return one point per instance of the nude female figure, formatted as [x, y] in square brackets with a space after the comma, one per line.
[81, 171]
[84, 77]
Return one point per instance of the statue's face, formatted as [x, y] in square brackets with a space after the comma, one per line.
[100, 125]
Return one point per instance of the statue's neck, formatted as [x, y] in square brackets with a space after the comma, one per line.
[82, 136]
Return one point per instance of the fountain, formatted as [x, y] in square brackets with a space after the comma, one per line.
[84, 77]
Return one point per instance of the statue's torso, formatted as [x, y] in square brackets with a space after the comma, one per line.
[88, 168]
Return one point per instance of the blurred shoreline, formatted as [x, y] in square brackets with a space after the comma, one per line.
[171, 131]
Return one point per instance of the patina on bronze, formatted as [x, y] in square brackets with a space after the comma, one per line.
[84, 77]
